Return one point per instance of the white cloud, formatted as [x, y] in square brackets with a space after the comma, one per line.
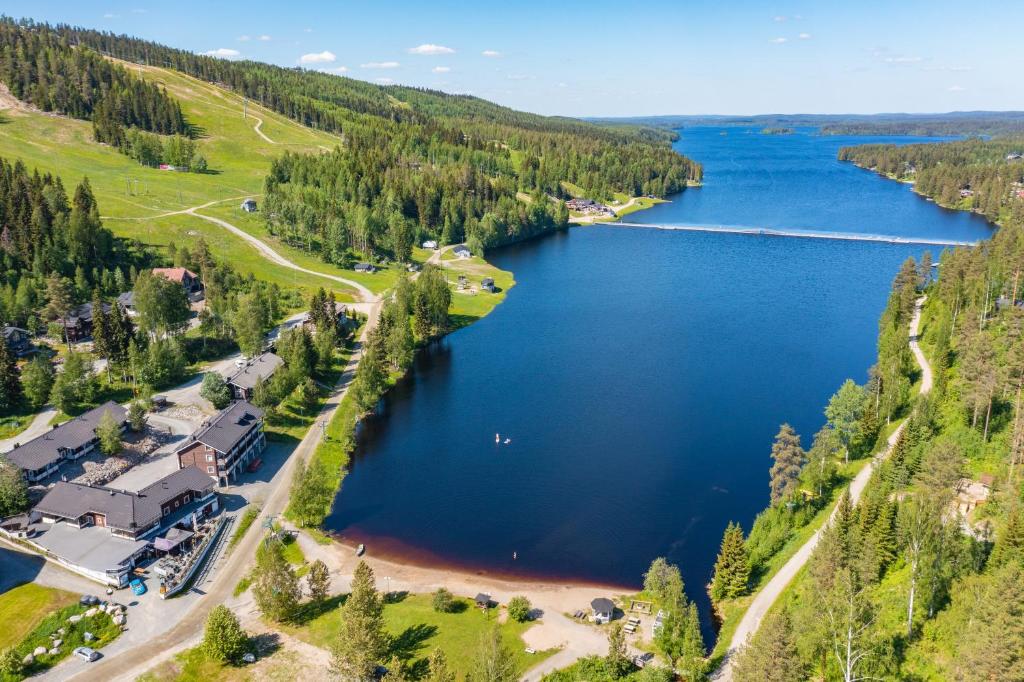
[779, 18]
[441, 69]
[380, 65]
[384, 81]
[805, 36]
[109, 15]
[336, 69]
[517, 77]
[777, 41]
[563, 85]
[902, 60]
[430, 49]
[491, 53]
[955, 88]
[244, 39]
[317, 57]
[223, 53]
[264, 37]
[947, 68]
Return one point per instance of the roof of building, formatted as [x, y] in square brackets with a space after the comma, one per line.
[364, 266]
[123, 510]
[92, 547]
[84, 313]
[461, 248]
[602, 605]
[487, 281]
[43, 450]
[175, 274]
[249, 201]
[228, 427]
[172, 538]
[127, 299]
[262, 366]
[9, 331]
[483, 598]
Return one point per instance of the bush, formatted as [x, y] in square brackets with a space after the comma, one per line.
[444, 602]
[215, 390]
[519, 609]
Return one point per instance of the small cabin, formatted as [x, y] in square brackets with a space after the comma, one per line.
[365, 267]
[483, 601]
[488, 284]
[603, 610]
[249, 205]
[461, 251]
[430, 244]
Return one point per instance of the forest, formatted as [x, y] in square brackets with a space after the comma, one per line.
[976, 174]
[48, 72]
[923, 578]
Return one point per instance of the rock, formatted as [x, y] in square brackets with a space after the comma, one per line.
[54, 651]
[29, 660]
[57, 642]
[62, 631]
[74, 619]
[89, 613]
[119, 619]
[39, 651]
[88, 636]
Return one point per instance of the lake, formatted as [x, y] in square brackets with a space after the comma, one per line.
[640, 373]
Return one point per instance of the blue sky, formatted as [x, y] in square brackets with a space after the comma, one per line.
[615, 58]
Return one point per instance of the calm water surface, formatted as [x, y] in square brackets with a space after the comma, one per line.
[641, 374]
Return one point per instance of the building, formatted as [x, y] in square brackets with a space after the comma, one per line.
[249, 205]
[127, 303]
[103, 533]
[186, 278]
[365, 267]
[78, 321]
[18, 340]
[488, 284]
[1014, 156]
[244, 380]
[461, 251]
[483, 600]
[340, 312]
[226, 444]
[603, 610]
[73, 439]
[430, 244]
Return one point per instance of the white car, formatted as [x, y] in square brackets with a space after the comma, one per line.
[87, 654]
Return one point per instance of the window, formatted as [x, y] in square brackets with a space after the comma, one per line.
[166, 510]
[186, 498]
[176, 503]
[209, 470]
[209, 458]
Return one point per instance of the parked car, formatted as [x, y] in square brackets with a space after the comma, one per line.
[138, 587]
[249, 658]
[89, 600]
[87, 654]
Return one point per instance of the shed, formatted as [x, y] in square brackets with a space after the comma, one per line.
[461, 251]
[249, 205]
[603, 609]
[487, 283]
[365, 267]
[483, 600]
[430, 244]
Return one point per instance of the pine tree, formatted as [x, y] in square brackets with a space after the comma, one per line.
[439, 670]
[770, 654]
[1009, 545]
[37, 381]
[789, 460]
[13, 489]
[11, 393]
[494, 662]
[732, 569]
[318, 581]
[108, 431]
[617, 661]
[224, 639]
[883, 536]
[362, 643]
[993, 605]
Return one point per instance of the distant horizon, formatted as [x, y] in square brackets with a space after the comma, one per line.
[809, 114]
[589, 60]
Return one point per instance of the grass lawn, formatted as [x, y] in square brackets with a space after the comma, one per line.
[418, 630]
[14, 424]
[32, 613]
[251, 512]
[466, 307]
[22, 608]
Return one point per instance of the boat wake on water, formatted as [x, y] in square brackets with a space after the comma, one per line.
[797, 233]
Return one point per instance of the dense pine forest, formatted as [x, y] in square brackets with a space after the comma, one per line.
[986, 176]
[45, 70]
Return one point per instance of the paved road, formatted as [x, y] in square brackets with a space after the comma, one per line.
[39, 425]
[764, 599]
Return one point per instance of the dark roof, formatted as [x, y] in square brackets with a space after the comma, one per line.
[43, 450]
[123, 510]
[364, 266]
[228, 427]
[483, 598]
[127, 299]
[84, 313]
[9, 331]
[262, 366]
[602, 605]
[487, 281]
[461, 248]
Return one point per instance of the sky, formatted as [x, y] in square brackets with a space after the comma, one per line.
[602, 58]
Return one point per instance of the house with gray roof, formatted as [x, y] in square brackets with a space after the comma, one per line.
[102, 532]
[243, 381]
[231, 440]
[75, 438]
[18, 340]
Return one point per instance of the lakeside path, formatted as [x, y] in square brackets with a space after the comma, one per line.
[764, 599]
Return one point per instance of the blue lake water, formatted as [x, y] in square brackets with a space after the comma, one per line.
[640, 373]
